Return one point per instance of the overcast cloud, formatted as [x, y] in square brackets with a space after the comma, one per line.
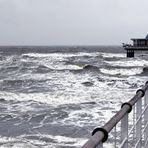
[72, 22]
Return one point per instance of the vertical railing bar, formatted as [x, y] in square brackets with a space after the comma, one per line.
[142, 120]
[115, 135]
[134, 117]
[138, 125]
[146, 118]
[124, 130]
[137, 121]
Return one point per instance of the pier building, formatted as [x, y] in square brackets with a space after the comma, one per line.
[139, 44]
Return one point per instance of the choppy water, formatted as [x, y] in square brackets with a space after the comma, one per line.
[53, 97]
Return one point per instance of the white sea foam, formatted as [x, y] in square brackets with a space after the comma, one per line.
[89, 116]
[62, 97]
[111, 55]
[68, 87]
[119, 71]
[129, 62]
[63, 139]
[54, 61]
[14, 143]
[56, 55]
[21, 142]
[107, 92]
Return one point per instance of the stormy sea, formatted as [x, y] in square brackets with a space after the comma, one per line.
[53, 97]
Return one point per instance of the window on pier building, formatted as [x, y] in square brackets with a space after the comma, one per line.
[140, 42]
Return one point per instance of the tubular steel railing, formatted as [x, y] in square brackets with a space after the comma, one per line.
[130, 130]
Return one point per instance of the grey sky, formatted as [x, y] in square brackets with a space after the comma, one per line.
[72, 22]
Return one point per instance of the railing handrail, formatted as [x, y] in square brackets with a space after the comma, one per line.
[101, 134]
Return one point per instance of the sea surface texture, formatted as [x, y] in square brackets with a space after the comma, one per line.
[53, 97]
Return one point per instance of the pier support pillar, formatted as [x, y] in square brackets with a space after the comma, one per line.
[130, 53]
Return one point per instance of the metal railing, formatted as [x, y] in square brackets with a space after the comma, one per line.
[130, 130]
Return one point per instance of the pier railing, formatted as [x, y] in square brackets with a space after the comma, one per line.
[128, 128]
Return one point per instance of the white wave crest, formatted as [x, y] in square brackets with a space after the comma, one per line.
[42, 55]
[111, 55]
[129, 63]
[127, 72]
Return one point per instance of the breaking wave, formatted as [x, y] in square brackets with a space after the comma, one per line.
[144, 71]
[91, 68]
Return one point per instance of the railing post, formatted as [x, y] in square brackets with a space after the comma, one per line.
[139, 123]
[124, 130]
[134, 117]
[115, 135]
[146, 118]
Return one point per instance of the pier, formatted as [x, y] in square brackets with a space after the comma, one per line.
[129, 126]
[139, 44]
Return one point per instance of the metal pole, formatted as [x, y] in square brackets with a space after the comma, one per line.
[146, 117]
[134, 112]
[139, 123]
[115, 137]
[124, 130]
